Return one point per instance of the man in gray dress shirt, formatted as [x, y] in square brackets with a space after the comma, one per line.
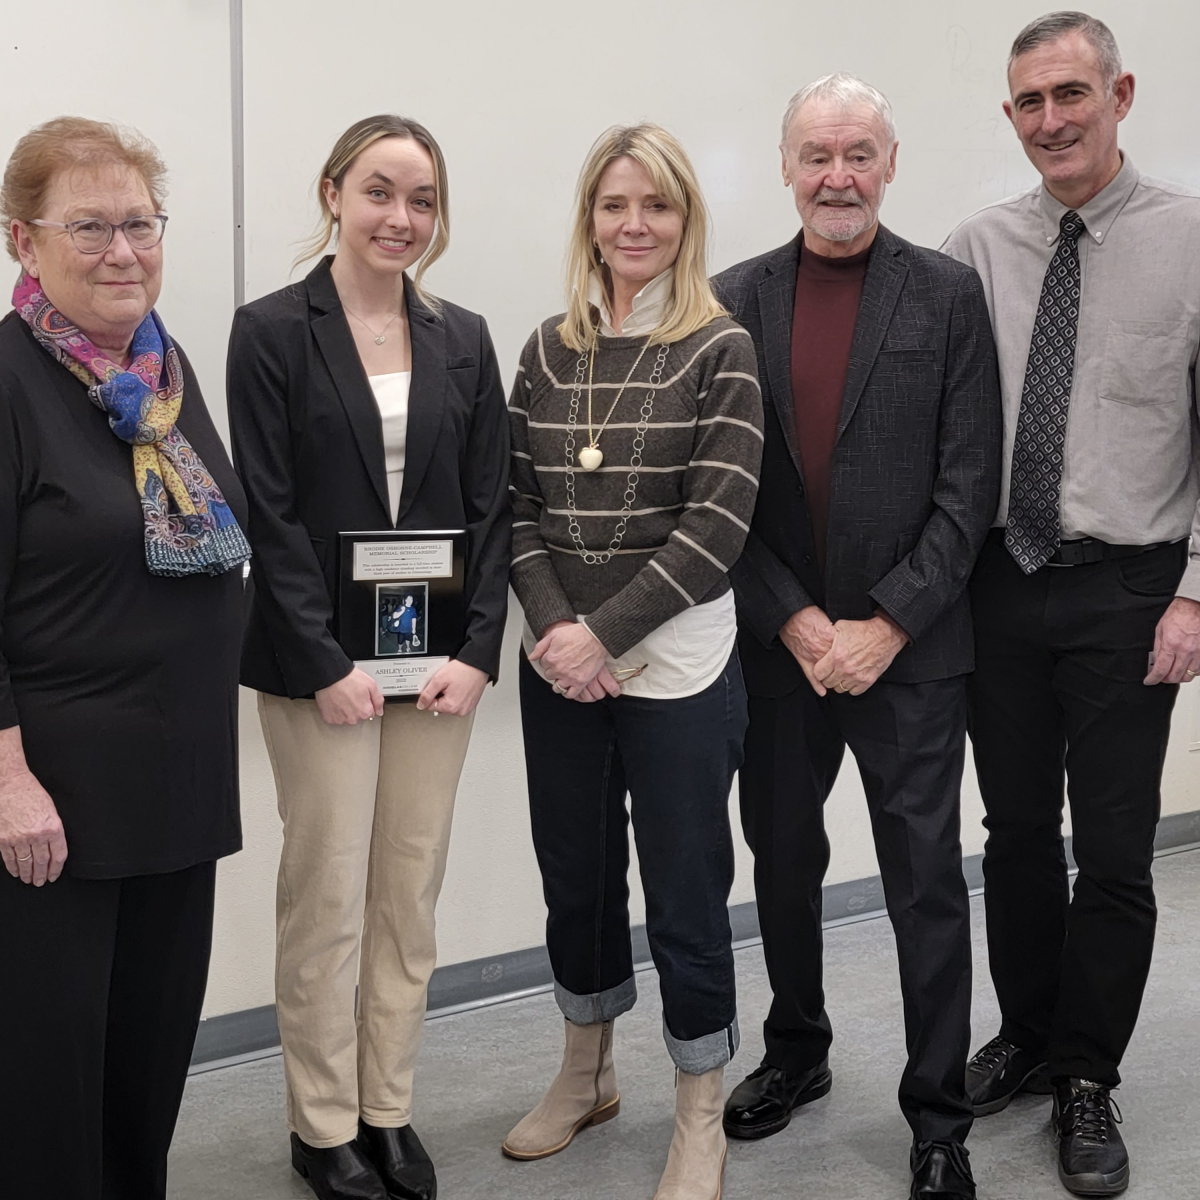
[1087, 595]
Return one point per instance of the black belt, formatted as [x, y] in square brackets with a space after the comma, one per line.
[1080, 551]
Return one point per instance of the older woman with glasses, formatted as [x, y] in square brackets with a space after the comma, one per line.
[637, 435]
[121, 555]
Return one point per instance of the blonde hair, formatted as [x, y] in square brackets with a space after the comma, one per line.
[342, 157]
[693, 304]
[64, 144]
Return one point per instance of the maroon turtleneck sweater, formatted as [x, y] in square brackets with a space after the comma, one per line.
[828, 292]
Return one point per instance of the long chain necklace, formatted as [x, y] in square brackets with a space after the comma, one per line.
[599, 557]
[380, 338]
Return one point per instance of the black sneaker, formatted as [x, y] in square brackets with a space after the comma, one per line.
[1092, 1159]
[999, 1071]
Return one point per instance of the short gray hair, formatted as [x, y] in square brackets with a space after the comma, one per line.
[847, 90]
[1055, 25]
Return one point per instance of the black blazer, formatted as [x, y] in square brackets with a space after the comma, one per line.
[916, 465]
[308, 444]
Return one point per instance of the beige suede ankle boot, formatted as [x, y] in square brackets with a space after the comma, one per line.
[696, 1162]
[583, 1093]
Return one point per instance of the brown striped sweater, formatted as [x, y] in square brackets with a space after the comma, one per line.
[695, 493]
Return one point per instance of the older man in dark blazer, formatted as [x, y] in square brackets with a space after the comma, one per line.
[879, 482]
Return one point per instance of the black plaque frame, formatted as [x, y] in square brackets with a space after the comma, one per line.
[356, 610]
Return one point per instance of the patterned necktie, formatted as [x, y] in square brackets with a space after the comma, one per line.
[1033, 521]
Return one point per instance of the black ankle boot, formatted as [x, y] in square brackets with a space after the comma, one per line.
[1092, 1159]
[941, 1171]
[763, 1103]
[404, 1166]
[339, 1172]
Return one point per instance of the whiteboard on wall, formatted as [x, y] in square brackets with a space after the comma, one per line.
[517, 92]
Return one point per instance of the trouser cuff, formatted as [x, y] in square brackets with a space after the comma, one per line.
[597, 1007]
[703, 1053]
[1062, 1069]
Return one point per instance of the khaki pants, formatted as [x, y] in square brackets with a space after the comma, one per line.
[366, 814]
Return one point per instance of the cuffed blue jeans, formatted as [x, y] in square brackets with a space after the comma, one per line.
[676, 759]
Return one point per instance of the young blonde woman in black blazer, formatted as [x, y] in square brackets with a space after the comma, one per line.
[357, 402]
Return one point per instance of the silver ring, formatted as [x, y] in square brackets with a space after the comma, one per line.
[1191, 673]
[27, 858]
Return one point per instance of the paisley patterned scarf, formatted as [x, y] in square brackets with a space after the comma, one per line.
[190, 530]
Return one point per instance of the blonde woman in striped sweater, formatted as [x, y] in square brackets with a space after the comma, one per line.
[637, 436]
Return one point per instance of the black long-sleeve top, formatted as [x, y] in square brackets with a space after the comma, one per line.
[123, 683]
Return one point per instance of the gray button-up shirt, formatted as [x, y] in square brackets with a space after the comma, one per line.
[1130, 471]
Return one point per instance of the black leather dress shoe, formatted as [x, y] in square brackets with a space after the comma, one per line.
[403, 1165]
[338, 1173]
[999, 1071]
[1092, 1159]
[941, 1171]
[763, 1103]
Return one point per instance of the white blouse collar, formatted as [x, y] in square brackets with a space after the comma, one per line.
[649, 305]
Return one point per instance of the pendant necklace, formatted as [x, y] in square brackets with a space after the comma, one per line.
[380, 338]
[591, 456]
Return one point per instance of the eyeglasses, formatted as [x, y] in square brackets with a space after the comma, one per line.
[93, 235]
[624, 674]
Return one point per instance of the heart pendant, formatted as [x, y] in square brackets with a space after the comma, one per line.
[380, 340]
[590, 457]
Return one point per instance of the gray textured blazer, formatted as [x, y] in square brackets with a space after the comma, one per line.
[916, 465]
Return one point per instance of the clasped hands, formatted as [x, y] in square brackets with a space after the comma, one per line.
[575, 661]
[846, 657]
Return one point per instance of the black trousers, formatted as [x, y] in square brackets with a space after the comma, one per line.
[1057, 696]
[103, 981]
[676, 759]
[909, 742]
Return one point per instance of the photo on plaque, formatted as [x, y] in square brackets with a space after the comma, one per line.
[401, 610]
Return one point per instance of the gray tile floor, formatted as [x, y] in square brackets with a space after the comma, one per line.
[480, 1071]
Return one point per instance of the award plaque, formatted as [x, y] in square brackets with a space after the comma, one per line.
[400, 613]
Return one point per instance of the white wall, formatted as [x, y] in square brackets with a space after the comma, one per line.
[173, 85]
[516, 93]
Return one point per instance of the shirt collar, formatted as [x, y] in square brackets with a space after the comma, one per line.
[649, 305]
[1099, 212]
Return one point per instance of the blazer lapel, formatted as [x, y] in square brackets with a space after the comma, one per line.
[341, 357]
[881, 290]
[426, 394]
[777, 299]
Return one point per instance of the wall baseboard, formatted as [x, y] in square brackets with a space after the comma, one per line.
[253, 1032]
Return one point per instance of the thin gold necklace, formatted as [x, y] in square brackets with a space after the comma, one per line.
[591, 456]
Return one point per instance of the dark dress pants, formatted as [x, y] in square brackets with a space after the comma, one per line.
[676, 760]
[1057, 696]
[103, 981]
[909, 742]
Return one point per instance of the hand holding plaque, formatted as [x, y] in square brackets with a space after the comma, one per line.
[400, 613]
